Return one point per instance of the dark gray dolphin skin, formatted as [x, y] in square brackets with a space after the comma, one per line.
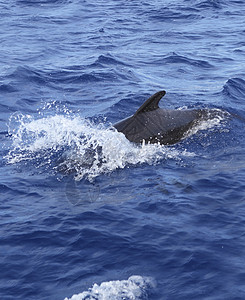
[156, 125]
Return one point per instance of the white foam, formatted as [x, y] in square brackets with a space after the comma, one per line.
[134, 288]
[213, 120]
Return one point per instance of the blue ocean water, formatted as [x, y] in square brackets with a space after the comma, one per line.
[145, 222]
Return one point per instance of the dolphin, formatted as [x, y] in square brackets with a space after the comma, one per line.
[152, 124]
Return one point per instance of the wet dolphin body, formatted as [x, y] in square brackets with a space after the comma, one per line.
[156, 125]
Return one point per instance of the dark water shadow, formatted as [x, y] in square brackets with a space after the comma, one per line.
[104, 190]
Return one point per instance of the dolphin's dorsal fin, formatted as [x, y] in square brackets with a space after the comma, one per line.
[151, 103]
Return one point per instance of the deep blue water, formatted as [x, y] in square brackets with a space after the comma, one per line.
[151, 222]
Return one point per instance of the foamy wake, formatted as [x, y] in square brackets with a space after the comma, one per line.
[66, 143]
[135, 288]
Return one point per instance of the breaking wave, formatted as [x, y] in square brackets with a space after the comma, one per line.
[135, 288]
[66, 143]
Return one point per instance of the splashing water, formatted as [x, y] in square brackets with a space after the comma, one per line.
[213, 119]
[135, 288]
[70, 144]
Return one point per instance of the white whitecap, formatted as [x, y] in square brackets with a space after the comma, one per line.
[134, 288]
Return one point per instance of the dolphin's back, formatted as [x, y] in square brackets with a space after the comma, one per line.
[156, 125]
[163, 126]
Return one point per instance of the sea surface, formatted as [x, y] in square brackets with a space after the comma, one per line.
[84, 213]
